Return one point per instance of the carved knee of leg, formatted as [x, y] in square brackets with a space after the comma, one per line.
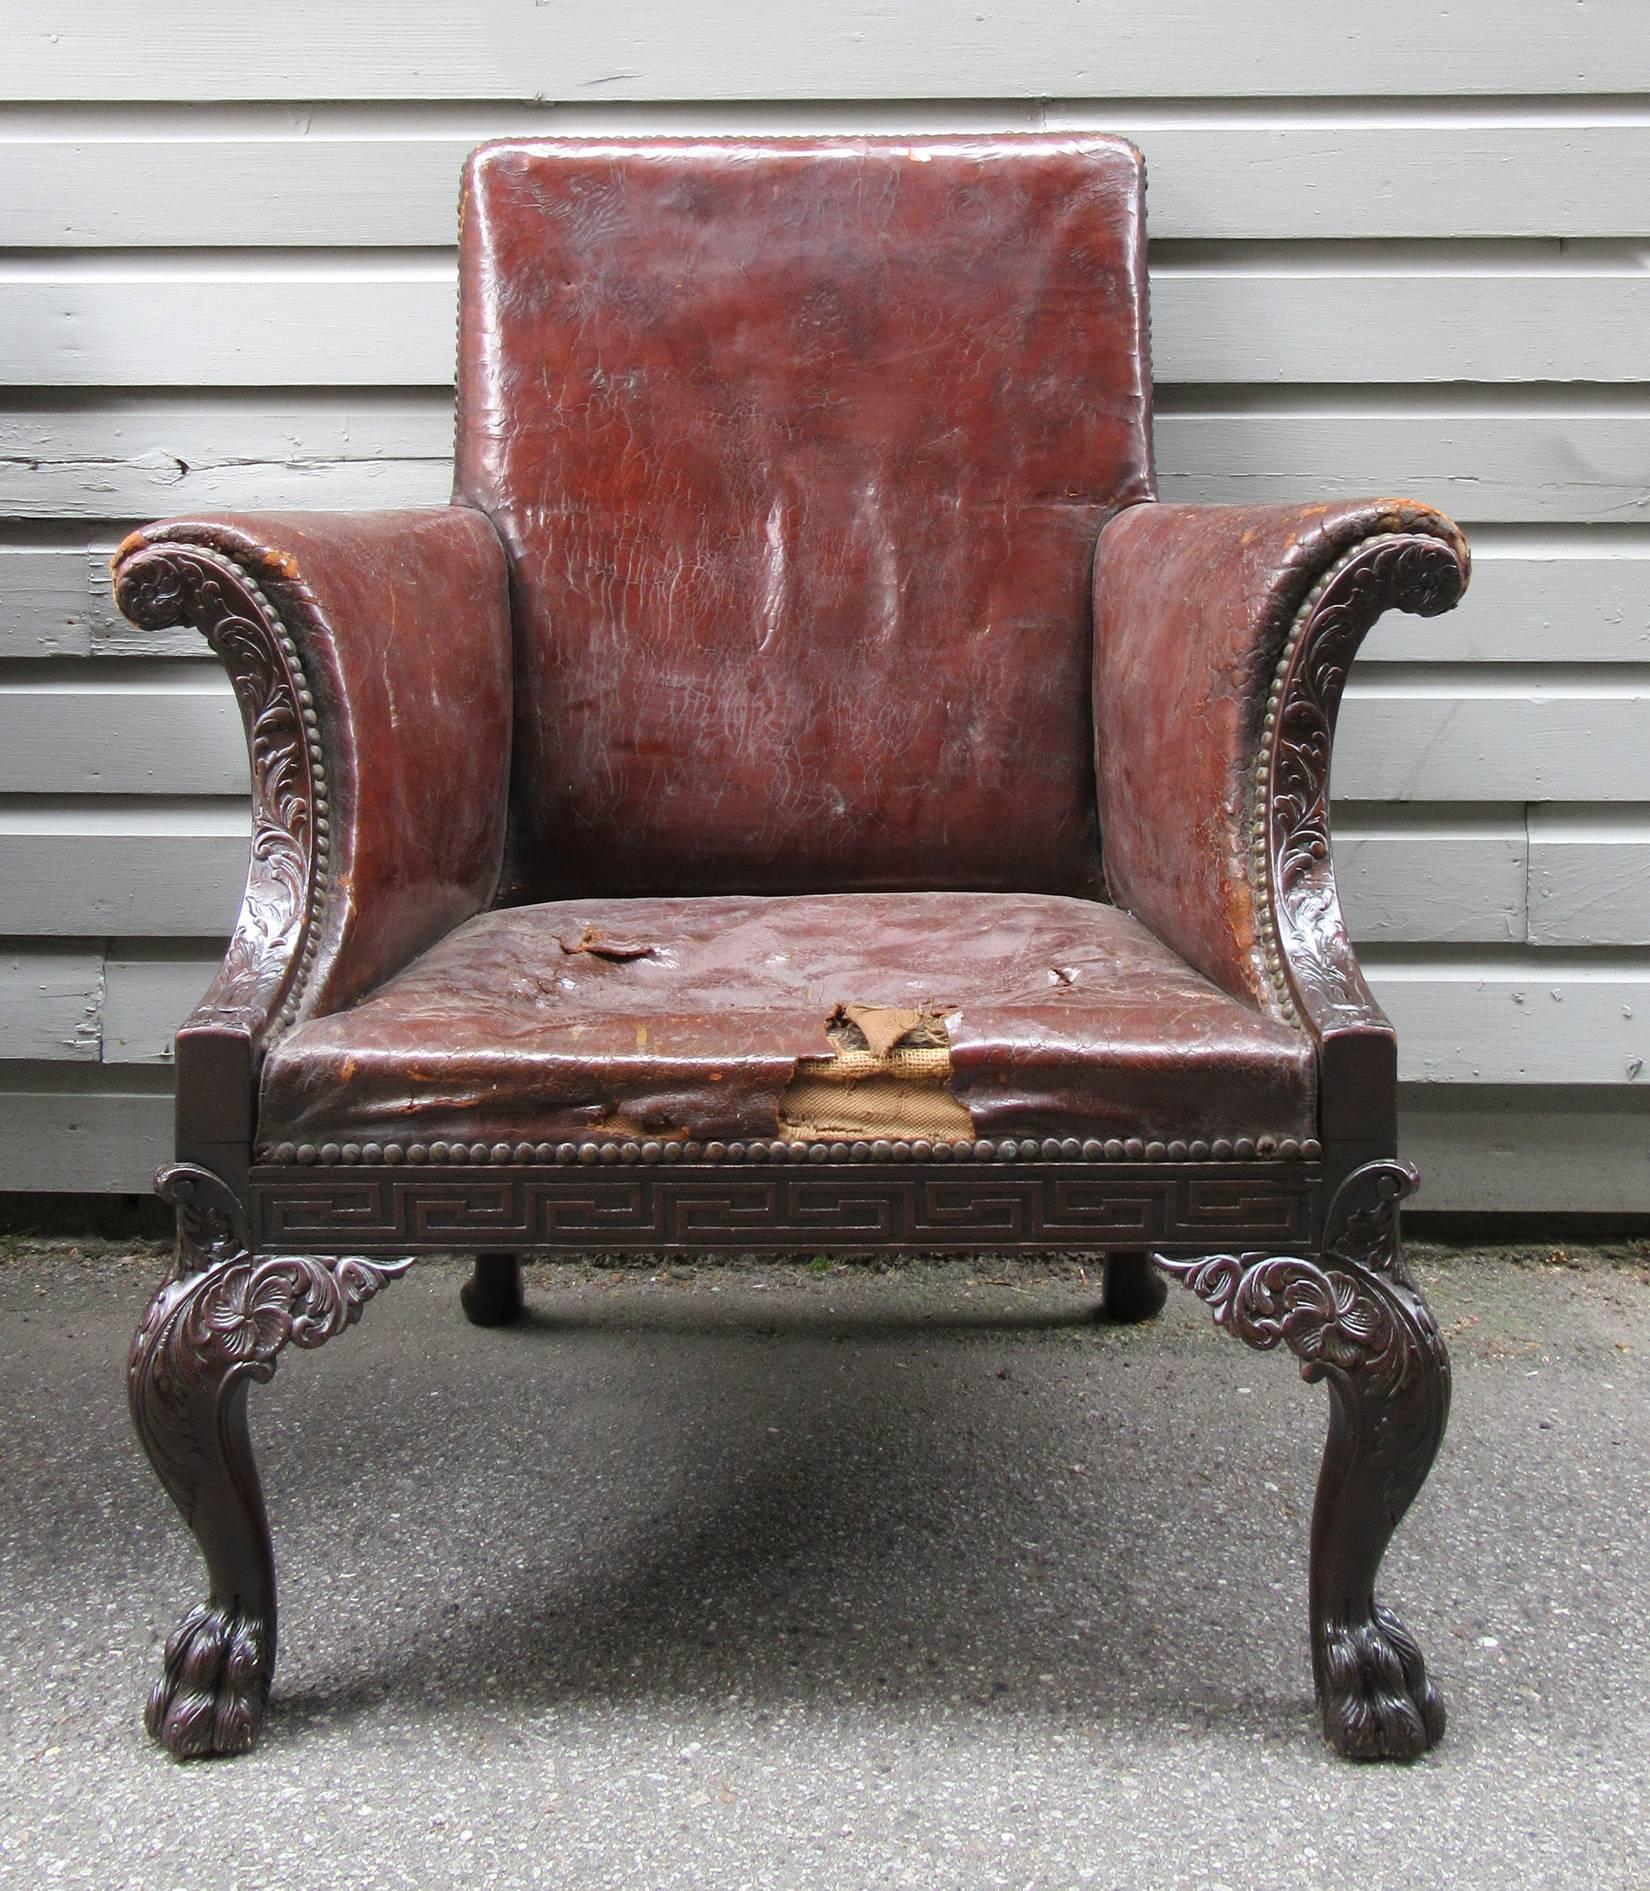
[215, 1328]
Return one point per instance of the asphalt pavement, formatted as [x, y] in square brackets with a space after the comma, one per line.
[754, 1574]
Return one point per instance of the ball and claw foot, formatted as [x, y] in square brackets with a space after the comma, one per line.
[1133, 1290]
[1376, 1700]
[493, 1295]
[211, 1695]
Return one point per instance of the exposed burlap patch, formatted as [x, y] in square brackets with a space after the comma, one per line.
[889, 1078]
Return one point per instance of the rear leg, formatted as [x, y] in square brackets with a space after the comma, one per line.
[494, 1294]
[1133, 1289]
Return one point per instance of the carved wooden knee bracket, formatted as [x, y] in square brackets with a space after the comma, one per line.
[214, 1328]
[1354, 1318]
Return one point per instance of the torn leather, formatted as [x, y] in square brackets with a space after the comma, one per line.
[889, 1076]
[497, 1035]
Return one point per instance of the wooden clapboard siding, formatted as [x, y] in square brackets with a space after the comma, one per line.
[1535, 598]
[863, 49]
[50, 1002]
[1410, 735]
[302, 184]
[1518, 1016]
[1407, 734]
[1582, 598]
[1380, 264]
[161, 868]
[1529, 459]
[340, 323]
[1589, 876]
[1527, 1148]
[1518, 457]
[105, 1134]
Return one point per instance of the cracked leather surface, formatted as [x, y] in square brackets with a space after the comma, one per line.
[402, 623]
[1065, 1018]
[1192, 606]
[799, 449]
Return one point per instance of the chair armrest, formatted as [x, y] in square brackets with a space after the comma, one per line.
[1223, 636]
[371, 657]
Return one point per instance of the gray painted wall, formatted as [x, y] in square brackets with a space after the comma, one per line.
[1384, 260]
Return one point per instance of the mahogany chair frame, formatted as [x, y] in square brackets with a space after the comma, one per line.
[1293, 1246]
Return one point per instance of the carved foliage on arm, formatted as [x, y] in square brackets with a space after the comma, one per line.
[262, 979]
[1309, 957]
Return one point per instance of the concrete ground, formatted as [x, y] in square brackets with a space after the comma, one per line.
[755, 1574]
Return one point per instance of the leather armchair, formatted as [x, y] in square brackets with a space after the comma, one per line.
[805, 791]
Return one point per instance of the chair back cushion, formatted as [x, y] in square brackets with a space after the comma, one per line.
[799, 449]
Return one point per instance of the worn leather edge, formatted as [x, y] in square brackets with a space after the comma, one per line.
[278, 634]
[1250, 616]
[1243, 590]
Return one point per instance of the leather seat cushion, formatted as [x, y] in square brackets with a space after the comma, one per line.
[684, 1019]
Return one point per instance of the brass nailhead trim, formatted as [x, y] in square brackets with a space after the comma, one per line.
[1010, 1149]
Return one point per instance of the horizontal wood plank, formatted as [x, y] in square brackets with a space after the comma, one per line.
[149, 458]
[1561, 1020]
[1544, 465]
[1516, 1151]
[51, 1003]
[180, 738]
[145, 1000]
[1535, 606]
[1416, 741]
[1432, 879]
[1589, 876]
[1532, 607]
[872, 49]
[100, 1142]
[153, 871]
[1268, 182]
[1410, 741]
[49, 606]
[134, 458]
[1479, 1148]
[332, 327]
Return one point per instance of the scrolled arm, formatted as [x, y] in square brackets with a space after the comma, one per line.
[370, 655]
[1223, 636]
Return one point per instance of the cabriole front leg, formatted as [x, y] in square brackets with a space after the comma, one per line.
[213, 1329]
[1354, 1317]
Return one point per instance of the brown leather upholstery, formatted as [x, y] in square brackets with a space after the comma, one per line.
[402, 623]
[1192, 606]
[799, 448]
[777, 643]
[685, 1018]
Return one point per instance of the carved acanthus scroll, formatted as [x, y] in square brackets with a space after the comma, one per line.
[1308, 953]
[1353, 1317]
[160, 583]
[216, 1327]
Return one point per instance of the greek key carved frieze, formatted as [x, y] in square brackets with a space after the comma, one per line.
[963, 1206]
